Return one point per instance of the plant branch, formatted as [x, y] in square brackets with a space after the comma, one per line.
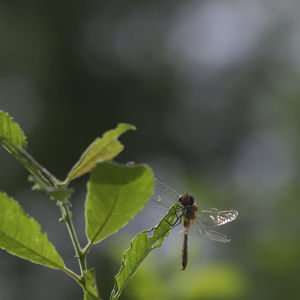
[66, 217]
[41, 174]
[72, 274]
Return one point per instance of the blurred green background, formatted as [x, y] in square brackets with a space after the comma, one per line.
[213, 88]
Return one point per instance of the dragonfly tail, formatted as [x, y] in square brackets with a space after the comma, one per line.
[184, 253]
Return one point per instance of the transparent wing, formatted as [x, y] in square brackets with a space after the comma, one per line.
[163, 195]
[212, 217]
[207, 219]
[208, 234]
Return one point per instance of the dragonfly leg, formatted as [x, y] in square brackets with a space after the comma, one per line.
[177, 221]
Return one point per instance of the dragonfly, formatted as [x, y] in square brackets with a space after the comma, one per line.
[195, 220]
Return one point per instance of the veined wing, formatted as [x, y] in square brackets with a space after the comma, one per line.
[163, 195]
[212, 217]
[207, 219]
[209, 234]
[197, 229]
[163, 199]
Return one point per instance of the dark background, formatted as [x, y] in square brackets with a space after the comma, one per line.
[213, 88]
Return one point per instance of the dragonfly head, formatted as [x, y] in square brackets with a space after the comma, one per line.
[186, 199]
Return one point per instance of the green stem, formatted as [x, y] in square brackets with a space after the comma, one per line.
[72, 274]
[87, 249]
[66, 216]
[81, 280]
[41, 175]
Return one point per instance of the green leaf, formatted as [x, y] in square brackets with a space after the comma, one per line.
[115, 194]
[21, 235]
[141, 246]
[42, 179]
[101, 149]
[11, 131]
[14, 140]
[91, 291]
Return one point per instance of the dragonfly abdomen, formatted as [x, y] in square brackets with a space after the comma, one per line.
[184, 252]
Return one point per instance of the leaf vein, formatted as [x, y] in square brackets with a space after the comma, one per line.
[106, 219]
[31, 250]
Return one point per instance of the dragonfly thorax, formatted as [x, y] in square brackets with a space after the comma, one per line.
[188, 208]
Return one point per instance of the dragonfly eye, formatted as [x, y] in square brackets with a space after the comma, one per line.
[186, 199]
[192, 200]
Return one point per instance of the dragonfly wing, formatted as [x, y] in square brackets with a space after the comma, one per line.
[213, 217]
[164, 195]
[207, 233]
[198, 229]
[215, 235]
